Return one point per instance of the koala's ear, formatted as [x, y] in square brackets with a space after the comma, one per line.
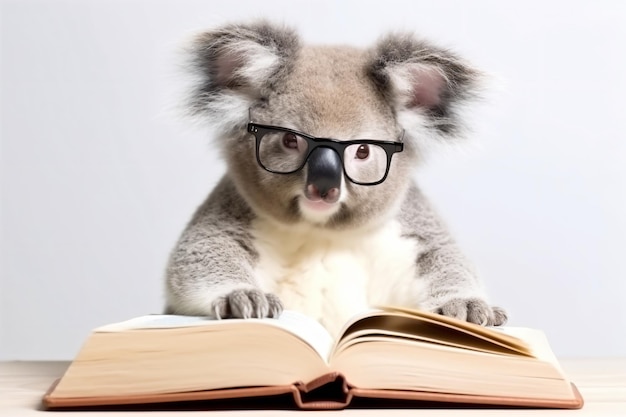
[425, 84]
[235, 65]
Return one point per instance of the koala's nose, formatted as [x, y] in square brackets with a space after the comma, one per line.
[324, 172]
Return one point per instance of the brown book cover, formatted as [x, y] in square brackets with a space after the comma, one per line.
[328, 392]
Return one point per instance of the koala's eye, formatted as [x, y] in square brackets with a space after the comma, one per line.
[363, 152]
[290, 141]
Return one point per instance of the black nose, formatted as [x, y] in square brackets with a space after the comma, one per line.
[324, 174]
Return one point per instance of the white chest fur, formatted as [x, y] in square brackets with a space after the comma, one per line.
[334, 275]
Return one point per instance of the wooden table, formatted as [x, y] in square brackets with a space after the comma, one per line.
[602, 383]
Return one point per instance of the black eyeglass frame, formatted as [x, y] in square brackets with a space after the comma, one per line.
[339, 146]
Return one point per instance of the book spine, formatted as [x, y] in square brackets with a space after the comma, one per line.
[328, 392]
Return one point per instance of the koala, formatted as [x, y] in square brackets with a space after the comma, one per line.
[318, 210]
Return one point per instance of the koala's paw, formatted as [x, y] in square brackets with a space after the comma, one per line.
[473, 310]
[499, 316]
[247, 303]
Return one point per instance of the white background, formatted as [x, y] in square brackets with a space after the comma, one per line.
[98, 179]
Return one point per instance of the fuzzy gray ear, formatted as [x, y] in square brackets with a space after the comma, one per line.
[426, 85]
[235, 65]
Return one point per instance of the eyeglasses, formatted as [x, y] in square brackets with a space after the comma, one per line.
[284, 151]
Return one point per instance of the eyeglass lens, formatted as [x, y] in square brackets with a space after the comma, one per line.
[285, 152]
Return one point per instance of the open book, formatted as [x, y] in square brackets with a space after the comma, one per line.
[387, 353]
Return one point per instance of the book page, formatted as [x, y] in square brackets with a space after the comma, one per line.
[539, 345]
[167, 354]
[307, 329]
[488, 334]
[154, 321]
[413, 350]
[419, 331]
[380, 362]
[304, 327]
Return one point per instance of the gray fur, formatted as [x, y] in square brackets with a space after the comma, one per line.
[454, 288]
[216, 251]
[461, 81]
[215, 61]
[336, 92]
